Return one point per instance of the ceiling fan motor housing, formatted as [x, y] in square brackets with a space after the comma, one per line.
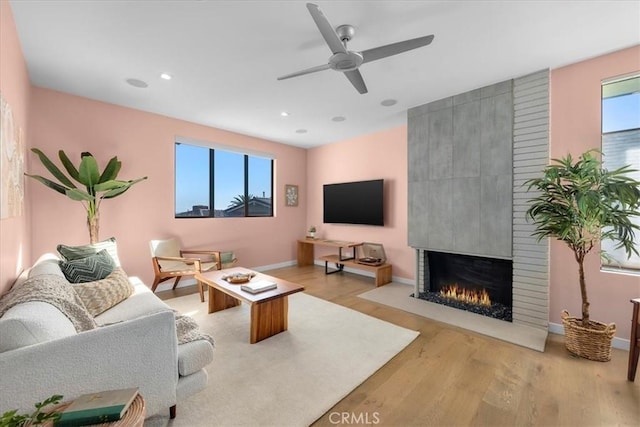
[345, 61]
[345, 32]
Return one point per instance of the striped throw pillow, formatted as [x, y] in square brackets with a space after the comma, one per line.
[101, 295]
[89, 269]
[76, 252]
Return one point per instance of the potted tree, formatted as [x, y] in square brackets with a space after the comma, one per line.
[581, 203]
[312, 232]
[97, 185]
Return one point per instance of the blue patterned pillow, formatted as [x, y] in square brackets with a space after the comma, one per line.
[88, 269]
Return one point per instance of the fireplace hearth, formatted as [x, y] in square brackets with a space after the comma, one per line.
[477, 284]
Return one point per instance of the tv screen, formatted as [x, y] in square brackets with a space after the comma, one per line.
[354, 203]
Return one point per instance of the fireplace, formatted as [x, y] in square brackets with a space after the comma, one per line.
[477, 284]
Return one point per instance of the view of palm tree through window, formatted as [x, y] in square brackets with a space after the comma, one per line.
[233, 183]
[621, 146]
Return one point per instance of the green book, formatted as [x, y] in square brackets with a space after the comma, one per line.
[95, 408]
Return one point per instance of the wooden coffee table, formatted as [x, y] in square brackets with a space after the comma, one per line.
[269, 309]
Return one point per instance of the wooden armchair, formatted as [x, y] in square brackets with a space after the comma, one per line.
[171, 262]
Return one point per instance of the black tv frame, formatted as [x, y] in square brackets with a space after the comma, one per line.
[355, 202]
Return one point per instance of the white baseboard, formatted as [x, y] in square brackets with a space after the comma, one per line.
[620, 343]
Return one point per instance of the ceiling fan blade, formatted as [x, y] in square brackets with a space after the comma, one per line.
[307, 71]
[326, 29]
[356, 80]
[394, 48]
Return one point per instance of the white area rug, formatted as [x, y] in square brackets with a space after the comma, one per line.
[290, 379]
[398, 296]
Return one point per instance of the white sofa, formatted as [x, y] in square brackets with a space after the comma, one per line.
[41, 354]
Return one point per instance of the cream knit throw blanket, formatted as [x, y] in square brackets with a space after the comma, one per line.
[54, 290]
[57, 291]
[188, 330]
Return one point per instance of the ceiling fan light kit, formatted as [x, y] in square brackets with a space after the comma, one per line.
[348, 61]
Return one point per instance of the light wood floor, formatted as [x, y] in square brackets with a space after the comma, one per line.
[451, 377]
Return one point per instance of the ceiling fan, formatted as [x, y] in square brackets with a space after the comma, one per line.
[348, 61]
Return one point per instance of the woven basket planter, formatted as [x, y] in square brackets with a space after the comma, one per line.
[592, 342]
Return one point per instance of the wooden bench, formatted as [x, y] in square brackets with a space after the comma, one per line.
[382, 272]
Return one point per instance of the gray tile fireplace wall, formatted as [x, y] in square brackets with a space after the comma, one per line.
[468, 157]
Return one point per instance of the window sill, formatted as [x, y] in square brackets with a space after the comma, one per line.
[624, 271]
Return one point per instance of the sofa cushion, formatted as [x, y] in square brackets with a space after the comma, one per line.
[101, 295]
[83, 251]
[89, 269]
[32, 323]
[54, 290]
[193, 356]
[141, 303]
[47, 264]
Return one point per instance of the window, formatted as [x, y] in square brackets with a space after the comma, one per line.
[220, 183]
[621, 146]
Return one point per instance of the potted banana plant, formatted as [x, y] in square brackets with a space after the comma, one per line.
[95, 186]
[580, 203]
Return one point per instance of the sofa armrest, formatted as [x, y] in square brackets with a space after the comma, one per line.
[136, 353]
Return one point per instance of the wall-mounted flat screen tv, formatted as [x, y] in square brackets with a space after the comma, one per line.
[359, 202]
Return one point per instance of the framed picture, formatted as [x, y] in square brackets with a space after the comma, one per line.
[290, 195]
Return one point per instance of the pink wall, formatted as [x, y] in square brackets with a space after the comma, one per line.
[144, 143]
[575, 128]
[378, 155]
[14, 86]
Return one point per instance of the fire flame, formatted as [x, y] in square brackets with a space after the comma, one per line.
[466, 295]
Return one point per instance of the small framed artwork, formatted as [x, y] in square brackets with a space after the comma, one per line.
[290, 195]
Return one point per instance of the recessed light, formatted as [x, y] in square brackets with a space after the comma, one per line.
[301, 131]
[284, 114]
[389, 102]
[339, 119]
[165, 76]
[137, 83]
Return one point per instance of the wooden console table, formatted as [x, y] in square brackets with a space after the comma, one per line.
[306, 251]
[382, 272]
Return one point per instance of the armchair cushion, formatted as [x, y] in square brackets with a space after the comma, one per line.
[171, 265]
[76, 252]
[165, 248]
[101, 295]
[89, 269]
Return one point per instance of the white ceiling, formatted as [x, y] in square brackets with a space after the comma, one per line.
[225, 56]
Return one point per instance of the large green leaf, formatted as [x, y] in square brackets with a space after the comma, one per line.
[109, 185]
[89, 174]
[118, 191]
[79, 195]
[111, 170]
[71, 169]
[51, 167]
[53, 185]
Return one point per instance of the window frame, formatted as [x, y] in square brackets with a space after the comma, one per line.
[626, 266]
[247, 154]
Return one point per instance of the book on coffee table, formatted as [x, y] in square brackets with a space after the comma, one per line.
[259, 286]
[95, 408]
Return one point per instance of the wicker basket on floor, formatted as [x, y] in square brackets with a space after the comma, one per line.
[593, 342]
